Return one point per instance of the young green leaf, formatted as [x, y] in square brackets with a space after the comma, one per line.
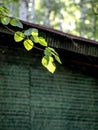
[58, 59]
[28, 44]
[51, 67]
[15, 22]
[51, 59]
[18, 36]
[52, 50]
[45, 61]
[36, 39]
[47, 53]
[5, 20]
[35, 34]
[48, 63]
[42, 41]
[29, 31]
[4, 11]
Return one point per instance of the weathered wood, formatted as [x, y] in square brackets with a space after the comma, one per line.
[32, 98]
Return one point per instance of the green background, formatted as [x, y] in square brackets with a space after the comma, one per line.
[33, 99]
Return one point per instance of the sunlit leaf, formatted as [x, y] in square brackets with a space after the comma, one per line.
[45, 61]
[42, 41]
[35, 34]
[28, 44]
[51, 59]
[15, 22]
[36, 39]
[51, 67]
[48, 63]
[5, 20]
[18, 36]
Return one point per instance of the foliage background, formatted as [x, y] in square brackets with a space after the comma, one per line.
[78, 17]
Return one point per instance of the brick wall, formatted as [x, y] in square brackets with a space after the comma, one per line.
[33, 99]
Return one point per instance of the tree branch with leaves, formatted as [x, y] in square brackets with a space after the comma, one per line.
[30, 38]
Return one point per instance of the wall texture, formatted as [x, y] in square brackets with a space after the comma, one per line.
[33, 99]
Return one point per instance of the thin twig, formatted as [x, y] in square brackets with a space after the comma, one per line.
[38, 48]
[9, 29]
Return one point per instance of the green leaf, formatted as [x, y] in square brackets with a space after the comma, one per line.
[34, 31]
[35, 34]
[36, 39]
[51, 59]
[47, 53]
[29, 31]
[51, 67]
[28, 44]
[5, 20]
[42, 41]
[49, 64]
[57, 58]
[45, 61]
[15, 22]
[4, 11]
[18, 36]
[52, 51]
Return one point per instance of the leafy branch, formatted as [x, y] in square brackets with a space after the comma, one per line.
[30, 38]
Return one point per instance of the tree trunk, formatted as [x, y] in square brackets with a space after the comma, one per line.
[48, 12]
[31, 11]
[82, 19]
[23, 13]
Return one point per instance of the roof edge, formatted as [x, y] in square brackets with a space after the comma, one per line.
[60, 33]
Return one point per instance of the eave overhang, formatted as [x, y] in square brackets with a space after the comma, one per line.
[78, 49]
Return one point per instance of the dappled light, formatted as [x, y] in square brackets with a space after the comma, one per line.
[75, 17]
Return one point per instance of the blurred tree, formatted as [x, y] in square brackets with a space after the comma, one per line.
[78, 17]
